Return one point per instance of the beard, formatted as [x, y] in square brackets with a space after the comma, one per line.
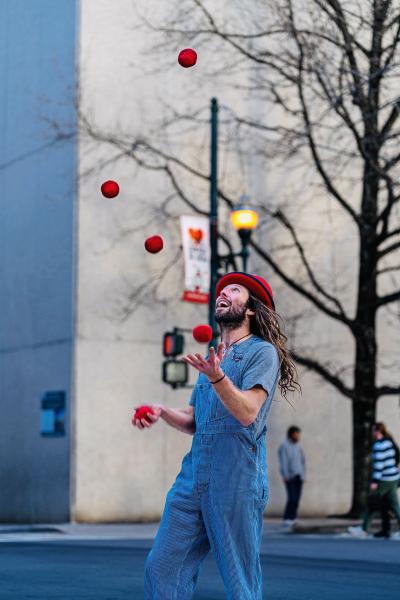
[231, 318]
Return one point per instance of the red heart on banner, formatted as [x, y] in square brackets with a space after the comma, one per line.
[196, 235]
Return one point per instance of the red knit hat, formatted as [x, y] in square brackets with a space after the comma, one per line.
[256, 284]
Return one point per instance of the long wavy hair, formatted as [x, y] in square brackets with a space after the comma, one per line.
[268, 325]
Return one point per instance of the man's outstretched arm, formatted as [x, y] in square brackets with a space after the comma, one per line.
[179, 418]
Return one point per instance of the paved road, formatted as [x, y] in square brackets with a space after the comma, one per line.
[294, 567]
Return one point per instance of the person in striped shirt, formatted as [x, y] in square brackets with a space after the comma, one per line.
[385, 477]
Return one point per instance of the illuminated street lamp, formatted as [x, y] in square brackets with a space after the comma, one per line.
[244, 219]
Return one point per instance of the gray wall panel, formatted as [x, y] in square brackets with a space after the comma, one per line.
[37, 68]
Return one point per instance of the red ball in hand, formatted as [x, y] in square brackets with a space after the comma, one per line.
[154, 244]
[110, 189]
[142, 412]
[187, 57]
[202, 334]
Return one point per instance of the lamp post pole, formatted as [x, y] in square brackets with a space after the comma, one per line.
[243, 227]
[245, 235]
[213, 220]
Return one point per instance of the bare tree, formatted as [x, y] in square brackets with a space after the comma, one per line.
[328, 71]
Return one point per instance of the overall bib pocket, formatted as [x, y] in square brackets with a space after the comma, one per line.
[204, 400]
[231, 367]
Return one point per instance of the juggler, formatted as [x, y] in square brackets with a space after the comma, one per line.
[218, 497]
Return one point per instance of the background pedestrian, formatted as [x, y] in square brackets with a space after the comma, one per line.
[293, 467]
[383, 487]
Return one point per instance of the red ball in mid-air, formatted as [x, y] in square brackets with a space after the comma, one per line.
[187, 57]
[110, 189]
[142, 412]
[154, 244]
[202, 333]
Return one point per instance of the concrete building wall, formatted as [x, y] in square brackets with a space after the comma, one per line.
[121, 473]
[37, 66]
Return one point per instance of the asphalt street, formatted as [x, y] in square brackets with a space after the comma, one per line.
[294, 567]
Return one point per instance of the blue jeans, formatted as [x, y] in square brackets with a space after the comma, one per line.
[293, 488]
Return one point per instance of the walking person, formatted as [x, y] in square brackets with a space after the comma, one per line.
[218, 497]
[384, 482]
[293, 469]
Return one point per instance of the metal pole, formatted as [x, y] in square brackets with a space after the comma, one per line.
[213, 219]
[245, 256]
[245, 235]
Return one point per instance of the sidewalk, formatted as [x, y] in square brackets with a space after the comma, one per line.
[147, 531]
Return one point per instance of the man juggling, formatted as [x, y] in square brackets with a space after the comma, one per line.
[218, 497]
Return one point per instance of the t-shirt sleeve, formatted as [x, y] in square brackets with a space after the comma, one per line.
[262, 368]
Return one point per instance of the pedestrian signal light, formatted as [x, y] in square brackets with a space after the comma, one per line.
[175, 373]
[173, 343]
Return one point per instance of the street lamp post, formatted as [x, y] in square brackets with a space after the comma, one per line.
[244, 219]
[245, 235]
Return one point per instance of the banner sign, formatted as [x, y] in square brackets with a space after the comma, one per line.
[197, 256]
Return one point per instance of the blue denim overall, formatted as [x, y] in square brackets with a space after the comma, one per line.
[218, 498]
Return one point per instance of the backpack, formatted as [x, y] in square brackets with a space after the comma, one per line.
[396, 451]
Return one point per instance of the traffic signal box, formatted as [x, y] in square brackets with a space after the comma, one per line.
[173, 343]
[174, 372]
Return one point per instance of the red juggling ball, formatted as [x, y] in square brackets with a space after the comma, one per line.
[142, 412]
[187, 57]
[202, 334]
[110, 189]
[154, 244]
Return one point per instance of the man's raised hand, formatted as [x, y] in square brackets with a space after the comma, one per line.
[210, 366]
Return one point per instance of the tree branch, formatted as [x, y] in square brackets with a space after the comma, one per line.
[338, 17]
[300, 289]
[313, 147]
[387, 390]
[396, 40]
[272, 63]
[181, 194]
[391, 120]
[313, 365]
[389, 164]
[388, 250]
[382, 300]
[134, 298]
[392, 233]
[285, 221]
[140, 144]
[388, 270]
[385, 214]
